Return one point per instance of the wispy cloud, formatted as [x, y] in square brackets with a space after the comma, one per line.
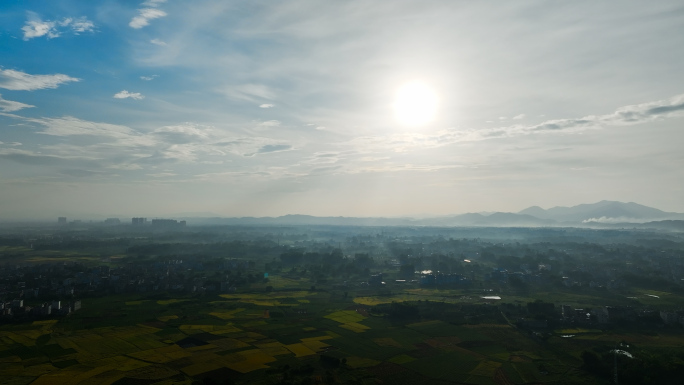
[35, 159]
[162, 175]
[11, 106]
[402, 167]
[36, 27]
[148, 78]
[158, 42]
[267, 105]
[252, 145]
[81, 25]
[183, 134]
[125, 95]
[270, 123]
[21, 81]
[84, 173]
[623, 116]
[104, 146]
[518, 117]
[249, 92]
[274, 148]
[153, 3]
[146, 14]
[68, 126]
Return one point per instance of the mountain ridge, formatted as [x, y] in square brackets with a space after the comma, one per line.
[599, 213]
[603, 211]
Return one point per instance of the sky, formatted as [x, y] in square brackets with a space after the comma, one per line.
[264, 108]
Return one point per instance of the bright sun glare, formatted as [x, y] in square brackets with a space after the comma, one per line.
[415, 104]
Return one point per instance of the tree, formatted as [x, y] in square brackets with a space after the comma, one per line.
[407, 271]
[592, 361]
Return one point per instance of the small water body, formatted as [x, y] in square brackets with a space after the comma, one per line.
[624, 353]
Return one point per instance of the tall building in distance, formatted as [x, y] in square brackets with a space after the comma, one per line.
[61, 221]
[139, 221]
[112, 221]
[167, 223]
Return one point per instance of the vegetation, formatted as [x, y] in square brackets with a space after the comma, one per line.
[344, 307]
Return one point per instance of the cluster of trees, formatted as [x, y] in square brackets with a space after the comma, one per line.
[662, 367]
[406, 312]
[321, 265]
[234, 249]
[297, 257]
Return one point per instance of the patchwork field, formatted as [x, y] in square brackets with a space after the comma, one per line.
[262, 337]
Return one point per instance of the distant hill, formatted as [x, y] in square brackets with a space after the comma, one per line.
[602, 212]
[305, 220]
[494, 219]
[471, 219]
[664, 225]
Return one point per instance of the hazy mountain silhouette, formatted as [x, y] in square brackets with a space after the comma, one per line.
[494, 219]
[607, 213]
[604, 211]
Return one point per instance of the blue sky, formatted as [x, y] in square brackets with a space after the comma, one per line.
[161, 108]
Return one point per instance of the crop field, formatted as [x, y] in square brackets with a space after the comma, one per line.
[251, 336]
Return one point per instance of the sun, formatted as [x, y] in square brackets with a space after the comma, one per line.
[415, 104]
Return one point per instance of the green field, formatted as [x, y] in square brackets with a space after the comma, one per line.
[259, 337]
[253, 335]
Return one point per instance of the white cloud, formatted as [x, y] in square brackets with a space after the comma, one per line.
[184, 133]
[518, 117]
[11, 106]
[82, 25]
[36, 27]
[270, 123]
[250, 146]
[20, 81]
[158, 42]
[144, 17]
[148, 78]
[68, 125]
[117, 147]
[125, 95]
[623, 116]
[266, 105]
